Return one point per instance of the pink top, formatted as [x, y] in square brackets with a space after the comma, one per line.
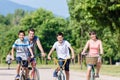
[94, 47]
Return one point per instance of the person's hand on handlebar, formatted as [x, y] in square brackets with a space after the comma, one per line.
[83, 53]
[49, 58]
[32, 56]
[43, 54]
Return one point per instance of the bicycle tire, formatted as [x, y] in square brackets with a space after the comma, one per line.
[36, 75]
[22, 77]
[61, 76]
[92, 74]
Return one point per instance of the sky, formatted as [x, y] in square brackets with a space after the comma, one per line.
[58, 7]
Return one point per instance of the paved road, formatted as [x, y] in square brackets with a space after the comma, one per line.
[46, 74]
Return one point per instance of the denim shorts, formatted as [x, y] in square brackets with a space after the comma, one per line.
[66, 65]
[24, 62]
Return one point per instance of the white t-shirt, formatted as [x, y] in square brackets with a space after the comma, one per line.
[62, 49]
[9, 57]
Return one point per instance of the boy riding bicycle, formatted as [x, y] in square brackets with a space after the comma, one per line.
[62, 47]
[22, 48]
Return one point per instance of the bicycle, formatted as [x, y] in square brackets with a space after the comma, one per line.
[22, 72]
[60, 68]
[34, 74]
[91, 61]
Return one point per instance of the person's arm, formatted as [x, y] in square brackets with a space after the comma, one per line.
[31, 52]
[85, 48]
[12, 53]
[40, 47]
[101, 48]
[49, 54]
[72, 51]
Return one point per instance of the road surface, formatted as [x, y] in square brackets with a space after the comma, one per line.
[46, 74]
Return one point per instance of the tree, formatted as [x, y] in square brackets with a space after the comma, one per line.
[86, 15]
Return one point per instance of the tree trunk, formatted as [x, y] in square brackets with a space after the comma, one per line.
[110, 60]
[78, 59]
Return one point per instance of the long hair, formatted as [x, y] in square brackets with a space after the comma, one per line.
[93, 33]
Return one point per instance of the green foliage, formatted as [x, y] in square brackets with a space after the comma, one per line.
[100, 15]
[85, 15]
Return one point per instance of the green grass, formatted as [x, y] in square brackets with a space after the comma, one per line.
[111, 70]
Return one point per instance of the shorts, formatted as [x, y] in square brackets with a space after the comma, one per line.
[24, 63]
[32, 60]
[66, 65]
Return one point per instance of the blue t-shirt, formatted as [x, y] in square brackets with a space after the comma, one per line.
[22, 48]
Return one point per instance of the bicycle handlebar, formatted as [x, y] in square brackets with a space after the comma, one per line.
[57, 61]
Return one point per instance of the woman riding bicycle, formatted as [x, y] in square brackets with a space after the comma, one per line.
[95, 49]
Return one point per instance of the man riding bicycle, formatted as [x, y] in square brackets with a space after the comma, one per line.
[34, 40]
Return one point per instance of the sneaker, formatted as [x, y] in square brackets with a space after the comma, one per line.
[55, 74]
[17, 77]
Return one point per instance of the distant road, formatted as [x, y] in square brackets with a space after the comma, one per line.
[46, 74]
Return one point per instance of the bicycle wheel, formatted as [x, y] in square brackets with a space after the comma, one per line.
[92, 77]
[35, 75]
[22, 77]
[61, 76]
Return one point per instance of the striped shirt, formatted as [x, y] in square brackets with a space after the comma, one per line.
[21, 48]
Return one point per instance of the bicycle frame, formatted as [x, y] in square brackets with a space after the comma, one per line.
[91, 64]
[91, 61]
[34, 74]
[92, 73]
[22, 73]
[61, 75]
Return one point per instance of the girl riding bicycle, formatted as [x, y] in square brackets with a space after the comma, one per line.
[95, 47]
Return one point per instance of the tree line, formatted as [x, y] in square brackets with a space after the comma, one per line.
[85, 15]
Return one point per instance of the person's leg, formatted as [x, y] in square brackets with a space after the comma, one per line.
[18, 59]
[18, 69]
[67, 70]
[88, 72]
[33, 64]
[60, 62]
[55, 72]
[98, 66]
[8, 65]
[25, 67]
[8, 62]
[67, 75]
